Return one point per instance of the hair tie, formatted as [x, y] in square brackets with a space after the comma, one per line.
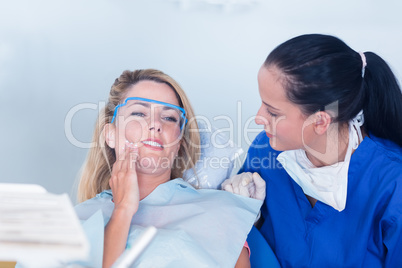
[364, 62]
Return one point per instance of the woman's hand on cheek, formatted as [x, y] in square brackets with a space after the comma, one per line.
[124, 182]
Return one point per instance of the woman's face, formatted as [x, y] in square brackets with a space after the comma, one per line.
[152, 127]
[283, 121]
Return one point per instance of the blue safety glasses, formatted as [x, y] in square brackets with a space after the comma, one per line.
[137, 108]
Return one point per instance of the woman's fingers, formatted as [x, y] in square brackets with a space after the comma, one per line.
[124, 167]
[124, 182]
[126, 159]
[117, 166]
[132, 157]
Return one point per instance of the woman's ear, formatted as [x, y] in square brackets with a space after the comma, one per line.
[109, 130]
[322, 120]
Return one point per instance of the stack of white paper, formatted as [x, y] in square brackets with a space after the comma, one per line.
[39, 228]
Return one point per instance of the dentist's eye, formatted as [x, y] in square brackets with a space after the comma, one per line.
[271, 114]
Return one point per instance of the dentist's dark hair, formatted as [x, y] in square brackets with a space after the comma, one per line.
[320, 70]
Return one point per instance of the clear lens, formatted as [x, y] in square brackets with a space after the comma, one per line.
[150, 113]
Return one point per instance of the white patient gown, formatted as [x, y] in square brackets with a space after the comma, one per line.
[196, 228]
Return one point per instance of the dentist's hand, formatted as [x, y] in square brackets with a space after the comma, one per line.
[246, 184]
[124, 182]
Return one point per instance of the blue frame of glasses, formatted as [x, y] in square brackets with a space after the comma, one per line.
[183, 115]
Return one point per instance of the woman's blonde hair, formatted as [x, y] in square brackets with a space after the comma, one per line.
[97, 168]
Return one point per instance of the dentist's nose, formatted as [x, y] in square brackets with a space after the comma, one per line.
[259, 118]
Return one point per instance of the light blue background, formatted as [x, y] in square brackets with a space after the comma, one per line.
[56, 56]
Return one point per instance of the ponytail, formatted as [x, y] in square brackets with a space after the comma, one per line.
[321, 69]
[382, 107]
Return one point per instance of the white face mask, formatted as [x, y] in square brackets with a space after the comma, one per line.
[329, 183]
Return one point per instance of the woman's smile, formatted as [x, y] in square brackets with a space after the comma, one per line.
[154, 144]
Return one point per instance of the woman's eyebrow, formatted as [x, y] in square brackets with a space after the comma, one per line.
[169, 108]
[139, 103]
[270, 106]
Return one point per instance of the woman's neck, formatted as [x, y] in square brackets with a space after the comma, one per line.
[330, 148]
[148, 182]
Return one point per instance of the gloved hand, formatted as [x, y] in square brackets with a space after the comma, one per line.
[246, 184]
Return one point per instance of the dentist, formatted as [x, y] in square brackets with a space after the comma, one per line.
[332, 122]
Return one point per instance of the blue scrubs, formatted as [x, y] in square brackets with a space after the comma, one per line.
[367, 233]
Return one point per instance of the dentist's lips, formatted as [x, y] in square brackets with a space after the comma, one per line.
[153, 144]
[269, 135]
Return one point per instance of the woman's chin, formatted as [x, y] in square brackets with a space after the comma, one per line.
[154, 165]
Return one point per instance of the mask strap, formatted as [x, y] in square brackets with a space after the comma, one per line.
[357, 122]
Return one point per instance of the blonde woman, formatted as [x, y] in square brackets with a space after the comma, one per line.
[145, 138]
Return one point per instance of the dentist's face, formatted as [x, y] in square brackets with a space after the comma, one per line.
[152, 127]
[283, 121]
